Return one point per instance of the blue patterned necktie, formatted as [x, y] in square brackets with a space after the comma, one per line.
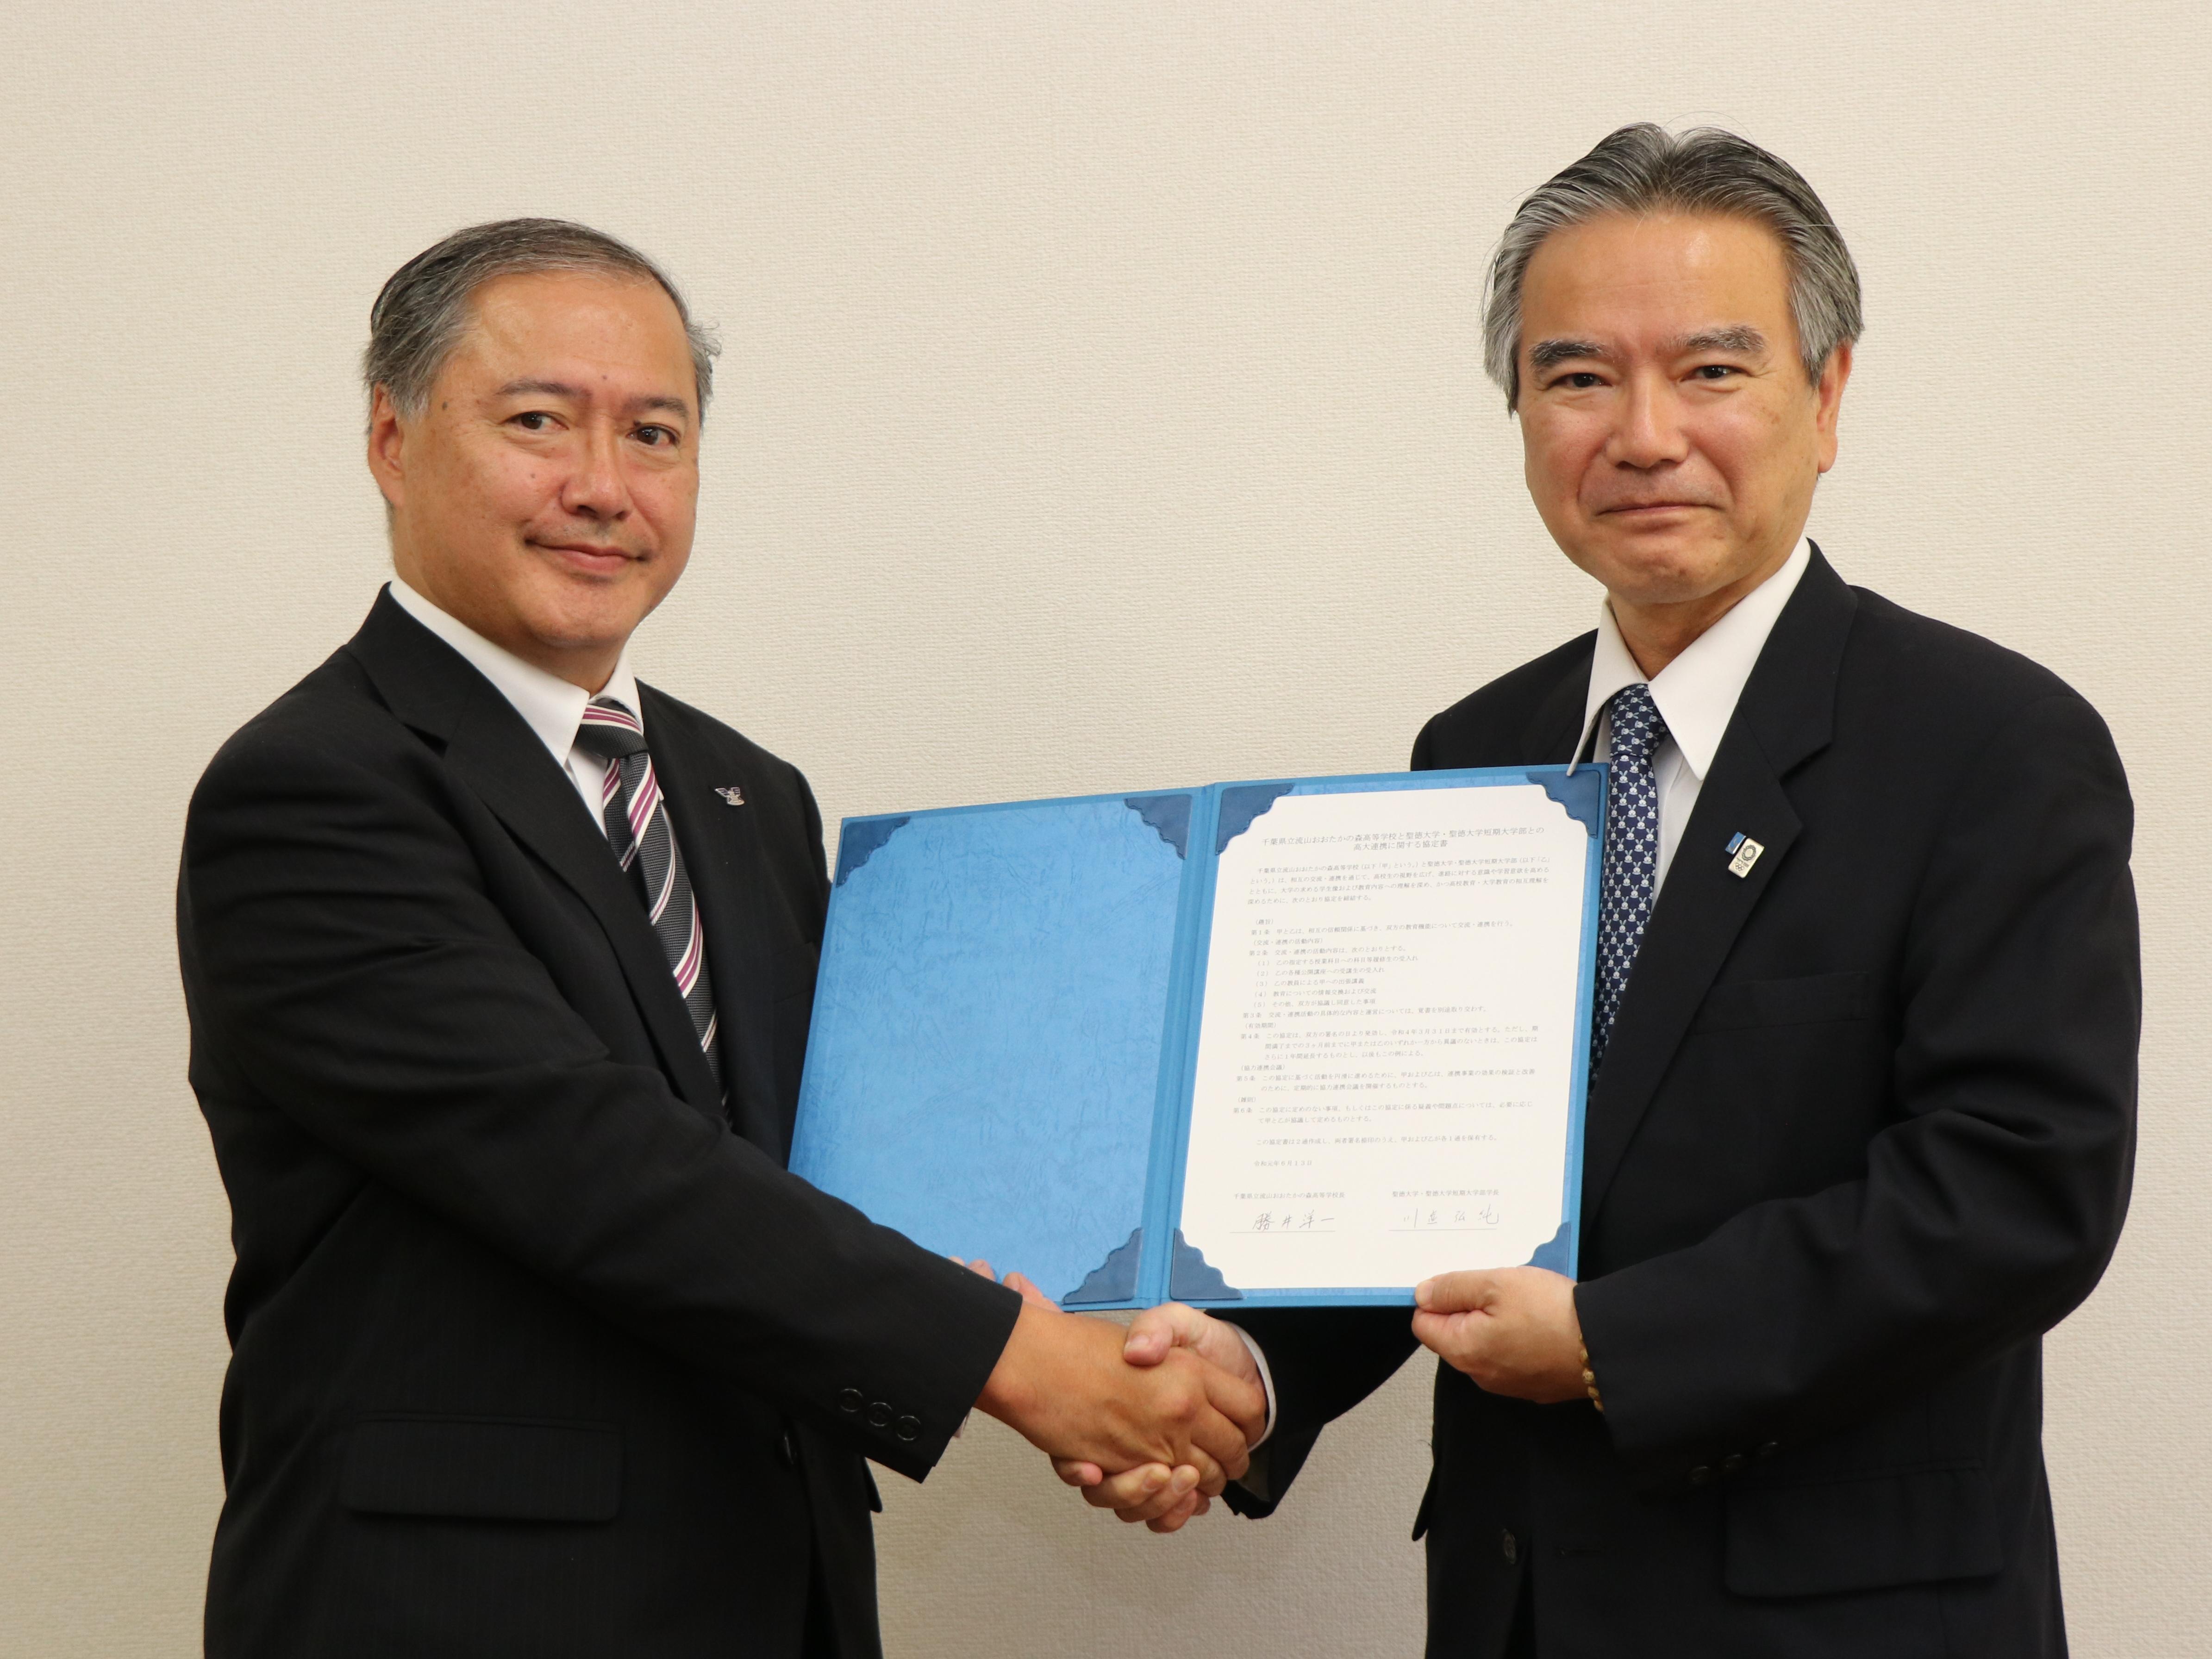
[1632, 854]
[638, 830]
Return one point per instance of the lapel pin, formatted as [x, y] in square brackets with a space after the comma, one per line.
[1743, 853]
[733, 796]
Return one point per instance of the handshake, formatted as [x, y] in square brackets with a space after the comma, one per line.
[1152, 1423]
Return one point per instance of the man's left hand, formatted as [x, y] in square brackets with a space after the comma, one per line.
[1512, 1329]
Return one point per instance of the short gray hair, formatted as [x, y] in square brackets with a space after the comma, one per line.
[423, 309]
[1644, 169]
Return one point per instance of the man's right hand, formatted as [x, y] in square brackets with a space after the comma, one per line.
[1064, 1384]
[1162, 1498]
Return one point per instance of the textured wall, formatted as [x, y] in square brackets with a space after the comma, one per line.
[1101, 411]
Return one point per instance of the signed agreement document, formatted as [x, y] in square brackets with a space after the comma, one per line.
[1304, 1041]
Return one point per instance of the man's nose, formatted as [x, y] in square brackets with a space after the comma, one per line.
[596, 486]
[1650, 432]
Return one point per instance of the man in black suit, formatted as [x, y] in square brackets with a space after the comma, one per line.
[1861, 1128]
[498, 968]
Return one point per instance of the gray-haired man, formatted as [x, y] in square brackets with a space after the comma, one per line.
[1861, 1126]
[499, 965]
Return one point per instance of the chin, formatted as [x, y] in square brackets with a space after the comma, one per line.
[576, 622]
[1660, 569]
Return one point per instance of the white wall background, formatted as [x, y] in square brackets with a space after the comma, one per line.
[1101, 411]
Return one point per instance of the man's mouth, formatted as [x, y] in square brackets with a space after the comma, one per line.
[596, 558]
[1630, 507]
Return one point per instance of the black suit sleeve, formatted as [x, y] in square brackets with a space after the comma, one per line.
[1322, 1361]
[357, 974]
[816, 852]
[1425, 746]
[1989, 1207]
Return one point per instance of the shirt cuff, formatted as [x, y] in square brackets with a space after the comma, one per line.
[1267, 1381]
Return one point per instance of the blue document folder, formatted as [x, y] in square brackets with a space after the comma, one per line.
[1010, 1050]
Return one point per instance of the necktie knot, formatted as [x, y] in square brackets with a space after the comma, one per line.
[1637, 728]
[610, 731]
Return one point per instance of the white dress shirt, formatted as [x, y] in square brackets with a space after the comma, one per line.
[549, 705]
[1696, 695]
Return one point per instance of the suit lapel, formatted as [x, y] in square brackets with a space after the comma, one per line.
[1786, 715]
[491, 749]
[722, 851]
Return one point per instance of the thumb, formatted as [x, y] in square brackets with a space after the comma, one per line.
[1172, 1325]
[1151, 1333]
[1461, 1292]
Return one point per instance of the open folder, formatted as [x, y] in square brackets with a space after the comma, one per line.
[1304, 1041]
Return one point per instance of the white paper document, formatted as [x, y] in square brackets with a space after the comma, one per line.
[1387, 1079]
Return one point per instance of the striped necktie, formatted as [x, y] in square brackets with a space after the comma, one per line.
[638, 830]
[1628, 883]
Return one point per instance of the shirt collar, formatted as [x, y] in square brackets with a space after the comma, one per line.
[1696, 693]
[549, 705]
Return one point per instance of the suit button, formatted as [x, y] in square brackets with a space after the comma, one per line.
[1770, 1449]
[1731, 1463]
[879, 1414]
[906, 1427]
[1699, 1475]
[787, 1449]
[849, 1401]
[1510, 1547]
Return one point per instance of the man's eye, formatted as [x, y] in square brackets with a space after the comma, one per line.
[533, 420]
[1715, 371]
[658, 435]
[1578, 380]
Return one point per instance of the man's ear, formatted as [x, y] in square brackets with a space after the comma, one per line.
[1828, 401]
[387, 447]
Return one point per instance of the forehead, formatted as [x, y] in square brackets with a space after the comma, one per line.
[575, 325]
[1673, 273]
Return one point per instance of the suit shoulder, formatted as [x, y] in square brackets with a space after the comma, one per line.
[1502, 710]
[332, 714]
[1932, 694]
[1946, 667]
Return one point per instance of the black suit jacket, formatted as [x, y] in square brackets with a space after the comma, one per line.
[533, 1355]
[1864, 1131]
